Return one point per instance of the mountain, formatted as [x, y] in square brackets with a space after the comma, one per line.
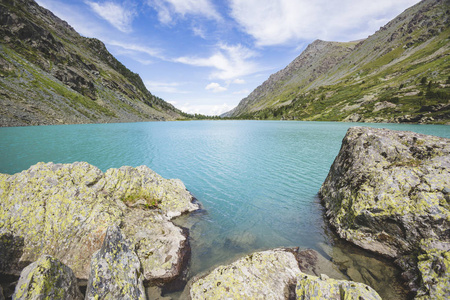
[399, 74]
[49, 74]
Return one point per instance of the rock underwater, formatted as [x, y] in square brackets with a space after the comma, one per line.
[389, 192]
[274, 274]
[64, 210]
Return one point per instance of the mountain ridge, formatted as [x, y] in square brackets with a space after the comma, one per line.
[49, 74]
[378, 79]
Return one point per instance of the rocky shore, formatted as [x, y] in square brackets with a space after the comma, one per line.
[388, 192]
[64, 211]
[66, 226]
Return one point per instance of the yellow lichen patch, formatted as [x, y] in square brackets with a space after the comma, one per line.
[64, 209]
[262, 275]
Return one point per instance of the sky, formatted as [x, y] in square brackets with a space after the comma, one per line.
[204, 56]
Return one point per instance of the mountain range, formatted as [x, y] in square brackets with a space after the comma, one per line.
[49, 74]
[398, 74]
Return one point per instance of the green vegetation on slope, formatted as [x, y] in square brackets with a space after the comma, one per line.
[49, 74]
[399, 74]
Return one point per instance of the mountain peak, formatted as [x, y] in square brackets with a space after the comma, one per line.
[379, 78]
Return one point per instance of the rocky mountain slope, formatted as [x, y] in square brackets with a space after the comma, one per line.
[399, 74]
[49, 74]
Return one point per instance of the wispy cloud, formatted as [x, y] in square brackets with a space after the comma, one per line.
[205, 109]
[294, 20]
[242, 92]
[239, 81]
[230, 62]
[215, 87]
[136, 48]
[169, 9]
[117, 15]
[165, 87]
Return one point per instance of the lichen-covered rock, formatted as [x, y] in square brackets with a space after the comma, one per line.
[161, 246]
[115, 270]
[388, 191]
[141, 182]
[64, 210]
[318, 288]
[273, 274]
[47, 278]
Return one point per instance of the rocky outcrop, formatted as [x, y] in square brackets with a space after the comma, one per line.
[388, 192]
[273, 274]
[115, 270]
[47, 278]
[64, 210]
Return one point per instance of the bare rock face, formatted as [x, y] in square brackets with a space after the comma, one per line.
[64, 210]
[115, 270]
[388, 192]
[47, 278]
[273, 274]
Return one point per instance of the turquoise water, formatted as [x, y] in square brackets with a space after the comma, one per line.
[257, 180]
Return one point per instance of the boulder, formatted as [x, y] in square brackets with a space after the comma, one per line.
[64, 210]
[387, 192]
[318, 288]
[273, 274]
[115, 270]
[47, 278]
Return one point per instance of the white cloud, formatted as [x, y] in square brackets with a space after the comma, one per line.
[117, 15]
[206, 109]
[168, 9]
[198, 31]
[242, 92]
[136, 48]
[239, 81]
[274, 22]
[229, 61]
[166, 87]
[215, 87]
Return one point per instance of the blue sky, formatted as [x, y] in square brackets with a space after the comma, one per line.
[204, 56]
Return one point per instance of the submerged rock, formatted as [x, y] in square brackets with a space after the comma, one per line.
[115, 270]
[387, 192]
[47, 278]
[64, 210]
[273, 274]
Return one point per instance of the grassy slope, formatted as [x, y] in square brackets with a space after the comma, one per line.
[387, 69]
[51, 75]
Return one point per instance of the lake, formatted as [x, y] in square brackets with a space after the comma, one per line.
[256, 180]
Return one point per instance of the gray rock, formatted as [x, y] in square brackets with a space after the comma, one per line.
[272, 274]
[318, 288]
[385, 193]
[115, 270]
[2, 297]
[47, 278]
[64, 210]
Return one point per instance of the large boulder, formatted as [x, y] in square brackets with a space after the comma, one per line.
[47, 278]
[388, 192]
[115, 270]
[273, 274]
[64, 210]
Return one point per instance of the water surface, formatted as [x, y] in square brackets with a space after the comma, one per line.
[257, 180]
